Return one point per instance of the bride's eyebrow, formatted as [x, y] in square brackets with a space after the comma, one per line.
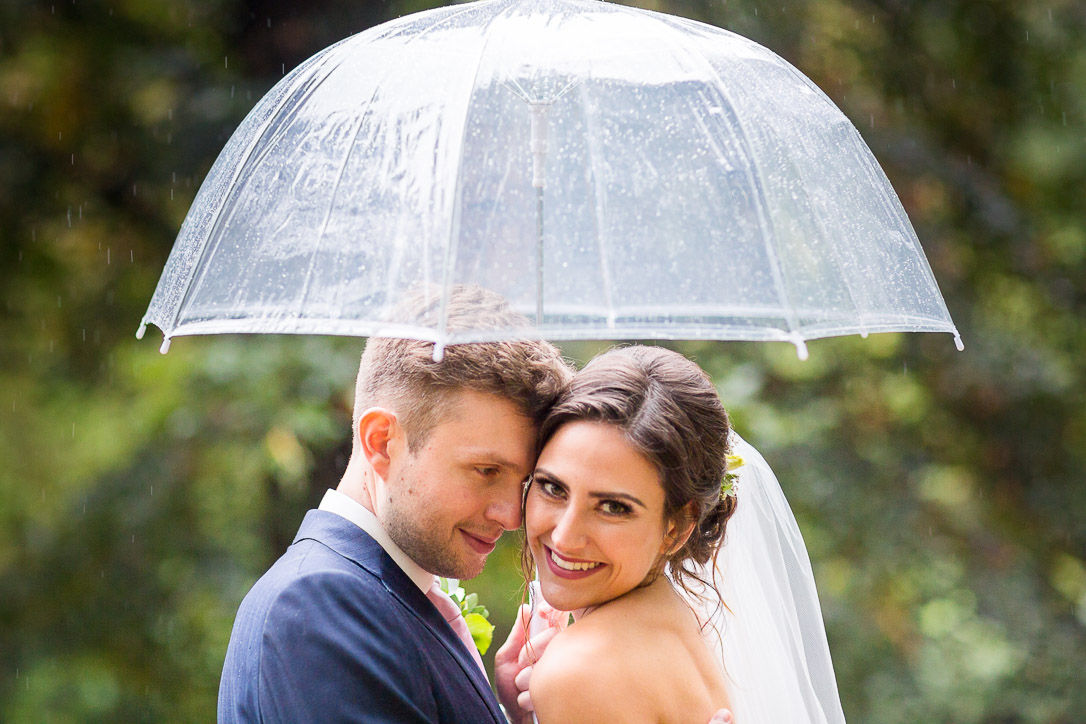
[543, 476]
[618, 496]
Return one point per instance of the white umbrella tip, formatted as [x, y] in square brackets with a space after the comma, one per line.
[958, 342]
[165, 346]
[142, 330]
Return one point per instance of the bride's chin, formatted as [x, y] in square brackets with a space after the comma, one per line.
[566, 596]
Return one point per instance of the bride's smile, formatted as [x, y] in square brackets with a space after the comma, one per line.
[594, 516]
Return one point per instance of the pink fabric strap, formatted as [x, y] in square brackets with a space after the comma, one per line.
[451, 613]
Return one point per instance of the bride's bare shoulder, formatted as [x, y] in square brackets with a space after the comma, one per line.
[586, 672]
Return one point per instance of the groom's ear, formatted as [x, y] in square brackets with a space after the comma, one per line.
[381, 437]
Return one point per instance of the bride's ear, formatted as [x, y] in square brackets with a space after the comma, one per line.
[679, 528]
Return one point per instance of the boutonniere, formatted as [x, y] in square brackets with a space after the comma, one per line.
[729, 487]
[475, 615]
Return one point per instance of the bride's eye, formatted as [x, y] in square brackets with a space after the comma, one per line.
[551, 490]
[615, 507]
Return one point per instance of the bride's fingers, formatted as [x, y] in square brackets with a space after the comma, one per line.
[524, 701]
[533, 649]
[722, 717]
[522, 678]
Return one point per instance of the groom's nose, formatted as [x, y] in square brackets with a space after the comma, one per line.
[504, 507]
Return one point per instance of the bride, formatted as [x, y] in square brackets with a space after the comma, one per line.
[689, 583]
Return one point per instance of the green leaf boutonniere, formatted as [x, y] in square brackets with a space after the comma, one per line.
[475, 615]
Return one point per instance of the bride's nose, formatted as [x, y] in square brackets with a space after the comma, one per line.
[568, 534]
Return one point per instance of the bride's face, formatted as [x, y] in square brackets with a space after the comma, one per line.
[594, 516]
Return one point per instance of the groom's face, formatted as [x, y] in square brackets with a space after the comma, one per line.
[449, 500]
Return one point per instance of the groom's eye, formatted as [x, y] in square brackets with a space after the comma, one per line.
[487, 471]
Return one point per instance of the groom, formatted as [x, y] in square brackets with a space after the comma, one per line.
[346, 625]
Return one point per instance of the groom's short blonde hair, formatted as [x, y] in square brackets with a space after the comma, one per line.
[401, 374]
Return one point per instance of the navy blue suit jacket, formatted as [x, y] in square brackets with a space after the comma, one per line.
[335, 631]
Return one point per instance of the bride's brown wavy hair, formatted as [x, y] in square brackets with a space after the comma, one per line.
[668, 409]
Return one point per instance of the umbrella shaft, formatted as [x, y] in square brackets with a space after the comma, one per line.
[539, 259]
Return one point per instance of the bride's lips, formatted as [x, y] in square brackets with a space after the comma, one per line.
[479, 544]
[565, 572]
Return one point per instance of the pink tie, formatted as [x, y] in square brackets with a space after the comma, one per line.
[451, 613]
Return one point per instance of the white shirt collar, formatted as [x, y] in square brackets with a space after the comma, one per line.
[347, 507]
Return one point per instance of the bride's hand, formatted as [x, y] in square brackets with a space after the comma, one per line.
[513, 663]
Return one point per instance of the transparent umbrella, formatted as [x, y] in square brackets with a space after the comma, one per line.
[615, 173]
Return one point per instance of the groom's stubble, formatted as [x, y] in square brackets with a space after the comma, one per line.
[460, 488]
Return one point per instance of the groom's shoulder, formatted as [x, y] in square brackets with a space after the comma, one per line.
[310, 567]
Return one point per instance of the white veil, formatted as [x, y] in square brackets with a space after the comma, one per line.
[770, 638]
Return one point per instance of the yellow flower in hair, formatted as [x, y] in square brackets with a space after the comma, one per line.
[729, 487]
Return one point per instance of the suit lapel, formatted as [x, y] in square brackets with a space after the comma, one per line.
[354, 544]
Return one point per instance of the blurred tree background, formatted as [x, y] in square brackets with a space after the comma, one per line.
[939, 492]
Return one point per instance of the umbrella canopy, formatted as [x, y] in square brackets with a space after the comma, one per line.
[614, 172]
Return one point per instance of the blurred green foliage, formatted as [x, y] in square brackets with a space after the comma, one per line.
[939, 492]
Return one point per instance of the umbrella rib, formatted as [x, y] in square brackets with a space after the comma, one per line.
[764, 220]
[308, 282]
[454, 218]
[863, 314]
[339, 178]
[198, 268]
[897, 212]
[320, 60]
[598, 217]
